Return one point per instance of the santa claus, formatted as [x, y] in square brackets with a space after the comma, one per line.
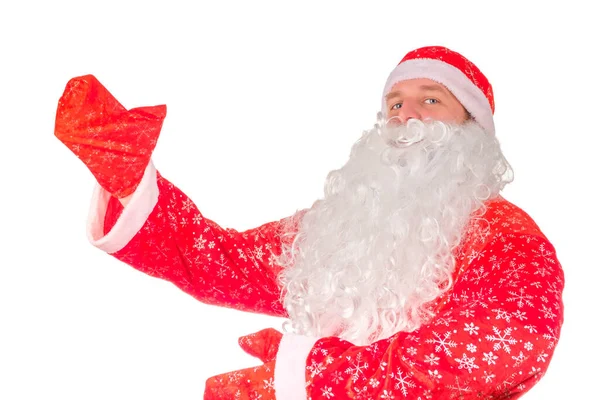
[411, 278]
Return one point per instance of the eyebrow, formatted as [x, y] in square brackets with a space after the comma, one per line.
[428, 88]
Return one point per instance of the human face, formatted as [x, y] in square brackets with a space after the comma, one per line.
[423, 99]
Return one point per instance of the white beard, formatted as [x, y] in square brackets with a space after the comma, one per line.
[369, 258]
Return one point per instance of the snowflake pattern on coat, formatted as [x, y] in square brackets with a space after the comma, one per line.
[493, 335]
[217, 266]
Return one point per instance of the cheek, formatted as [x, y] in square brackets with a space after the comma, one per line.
[458, 112]
[452, 114]
[461, 115]
[393, 121]
[391, 113]
[439, 114]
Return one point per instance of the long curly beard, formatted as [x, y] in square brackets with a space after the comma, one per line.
[368, 259]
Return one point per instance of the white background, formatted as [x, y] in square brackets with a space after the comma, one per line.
[264, 98]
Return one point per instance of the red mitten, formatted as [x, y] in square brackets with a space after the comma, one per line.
[262, 344]
[245, 384]
[114, 143]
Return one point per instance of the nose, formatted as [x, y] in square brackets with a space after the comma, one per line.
[408, 111]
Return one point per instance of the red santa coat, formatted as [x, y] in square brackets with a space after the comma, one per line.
[492, 337]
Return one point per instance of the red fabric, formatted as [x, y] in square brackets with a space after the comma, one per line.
[250, 383]
[456, 60]
[262, 344]
[115, 144]
[493, 336]
[246, 384]
[216, 265]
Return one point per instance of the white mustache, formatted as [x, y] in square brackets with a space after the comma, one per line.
[398, 135]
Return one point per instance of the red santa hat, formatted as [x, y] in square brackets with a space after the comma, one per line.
[459, 75]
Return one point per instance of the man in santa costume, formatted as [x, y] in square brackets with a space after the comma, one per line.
[412, 278]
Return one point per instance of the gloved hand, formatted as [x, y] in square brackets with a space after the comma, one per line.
[245, 384]
[249, 383]
[262, 344]
[114, 143]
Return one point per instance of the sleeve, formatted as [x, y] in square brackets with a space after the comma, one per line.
[161, 233]
[493, 338]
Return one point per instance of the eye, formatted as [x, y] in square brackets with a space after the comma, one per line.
[431, 101]
[396, 106]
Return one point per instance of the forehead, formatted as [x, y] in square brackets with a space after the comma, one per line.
[416, 86]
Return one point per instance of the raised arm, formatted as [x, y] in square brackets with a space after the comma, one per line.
[160, 231]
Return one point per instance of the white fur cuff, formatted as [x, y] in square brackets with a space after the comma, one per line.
[132, 219]
[290, 366]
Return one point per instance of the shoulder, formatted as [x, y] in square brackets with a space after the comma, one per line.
[505, 217]
[497, 221]
[498, 218]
